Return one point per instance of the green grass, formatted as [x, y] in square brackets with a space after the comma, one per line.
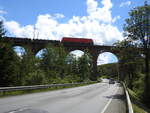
[138, 107]
[21, 92]
[133, 95]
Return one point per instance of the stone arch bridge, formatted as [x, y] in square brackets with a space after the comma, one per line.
[36, 45]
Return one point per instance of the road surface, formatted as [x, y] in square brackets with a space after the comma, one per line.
[95, 98]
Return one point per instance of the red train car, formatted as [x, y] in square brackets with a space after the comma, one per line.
[77, 40]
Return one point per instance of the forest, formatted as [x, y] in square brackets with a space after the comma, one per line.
[53, 66]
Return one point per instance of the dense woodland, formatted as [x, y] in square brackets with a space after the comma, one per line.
[108, 71]
[54, 66]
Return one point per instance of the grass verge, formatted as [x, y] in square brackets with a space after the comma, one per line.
[138, 107]
[21, 92]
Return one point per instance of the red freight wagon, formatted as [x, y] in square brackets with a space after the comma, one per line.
[77, 40]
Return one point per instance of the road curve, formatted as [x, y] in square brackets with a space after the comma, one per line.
[95, 98]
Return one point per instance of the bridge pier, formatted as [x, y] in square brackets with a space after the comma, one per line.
[94, 74]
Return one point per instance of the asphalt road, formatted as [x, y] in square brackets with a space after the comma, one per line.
[95, 98]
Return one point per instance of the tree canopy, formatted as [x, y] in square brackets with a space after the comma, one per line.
[137, 29]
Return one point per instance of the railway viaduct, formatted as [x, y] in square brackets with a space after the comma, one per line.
[36, 45]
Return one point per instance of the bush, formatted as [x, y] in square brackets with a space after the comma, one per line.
[35, 78]
[138, 84]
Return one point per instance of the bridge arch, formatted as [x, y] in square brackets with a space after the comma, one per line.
[74, 54]
[20, 51]
[111, 62]
[39, 53]
[107, 57]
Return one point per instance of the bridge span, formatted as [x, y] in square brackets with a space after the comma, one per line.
[36, 45]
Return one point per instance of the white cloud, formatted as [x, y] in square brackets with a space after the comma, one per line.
[91, 6]
[127, 3]
[77, 53]
[101, 14]
[58, 15]
[15, 28]
[96, 25]
[103, 59]
[116, 18]
[3, 12]
[46, 27]
[106, 57]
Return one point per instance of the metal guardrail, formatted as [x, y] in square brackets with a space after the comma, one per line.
[129, 104]
[4, 89]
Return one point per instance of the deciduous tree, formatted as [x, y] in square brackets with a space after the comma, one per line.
[137, 28]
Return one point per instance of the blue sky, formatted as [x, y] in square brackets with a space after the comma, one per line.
[101, 20]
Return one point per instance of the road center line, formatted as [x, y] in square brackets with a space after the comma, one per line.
[103, 111]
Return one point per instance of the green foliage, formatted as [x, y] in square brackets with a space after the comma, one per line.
[9, 62]
[84, 66]
[129, 59]
[108, 70]
[137, 26]
[30, 71]
[9, 66]
[131, 66]
[35, 78]
[138, 84]
[2, 30]
[53, 62]
[72, 66]
[53, 67]
[59, 67]
[137, 29]
[138, 107]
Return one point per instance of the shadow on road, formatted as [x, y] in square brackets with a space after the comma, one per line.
[116, 96]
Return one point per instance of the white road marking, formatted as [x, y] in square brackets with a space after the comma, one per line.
[19, 110]
[103, 111]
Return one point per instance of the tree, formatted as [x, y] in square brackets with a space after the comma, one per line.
[9, 66]
[137, 28]
[2, 30]
[61, 62]
[127, 62]
[85, 66]
[9, 62]
[73, 67]
[30, 71]
[54, 62]
[108, 70]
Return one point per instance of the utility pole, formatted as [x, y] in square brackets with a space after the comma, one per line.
[34, 29]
